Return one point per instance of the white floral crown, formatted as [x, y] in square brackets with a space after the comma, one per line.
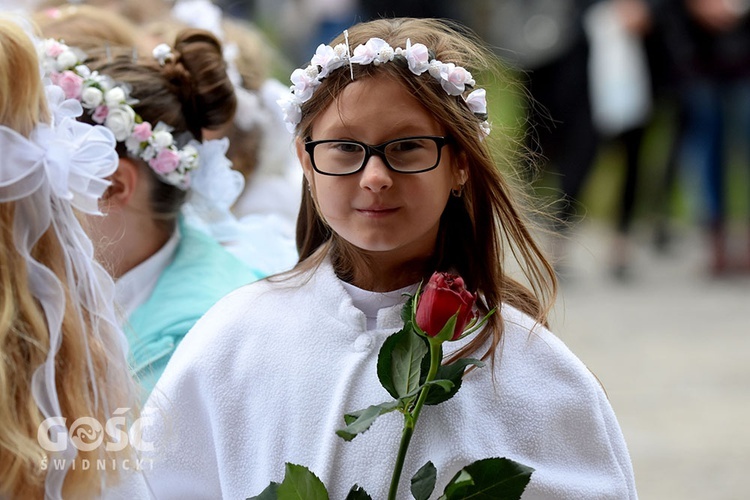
[110, 104]
[454, 79]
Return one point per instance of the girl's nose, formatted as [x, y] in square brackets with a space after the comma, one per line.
[376, 176]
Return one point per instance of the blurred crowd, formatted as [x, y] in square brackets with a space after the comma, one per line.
[657, 92]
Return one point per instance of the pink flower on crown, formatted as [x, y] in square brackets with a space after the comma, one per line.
[100, 114]
[370, 51]
[417, 56]
[454, 78]
[305, 81]
[327, 58]
[71, 84]
[54, 49]
[165, 162]
[142, 132]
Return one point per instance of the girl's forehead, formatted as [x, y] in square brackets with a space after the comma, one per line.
[380, 105]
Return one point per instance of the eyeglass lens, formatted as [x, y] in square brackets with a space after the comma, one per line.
[404, 155]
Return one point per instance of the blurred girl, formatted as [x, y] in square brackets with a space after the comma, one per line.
[167, 273]
[62, 355]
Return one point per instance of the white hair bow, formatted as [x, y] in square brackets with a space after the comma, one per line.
[61, 166]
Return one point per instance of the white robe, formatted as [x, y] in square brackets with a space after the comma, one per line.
[267, 374]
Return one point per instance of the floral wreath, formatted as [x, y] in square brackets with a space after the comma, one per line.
[454, 79]
[110, 104]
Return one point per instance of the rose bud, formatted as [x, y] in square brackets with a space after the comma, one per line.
[444, 296]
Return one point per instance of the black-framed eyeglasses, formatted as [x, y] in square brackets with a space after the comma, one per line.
[407, 155]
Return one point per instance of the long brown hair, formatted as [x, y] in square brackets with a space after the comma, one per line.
[482, 232]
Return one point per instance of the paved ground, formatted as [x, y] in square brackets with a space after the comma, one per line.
[672, 348]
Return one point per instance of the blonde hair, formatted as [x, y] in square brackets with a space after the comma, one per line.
[22, 103]
[87, 26]
[482, 230]
[24, 333]
[137, 11]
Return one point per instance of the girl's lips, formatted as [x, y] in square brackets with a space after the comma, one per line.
[377, 211]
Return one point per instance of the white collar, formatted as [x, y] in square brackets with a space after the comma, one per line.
[134, 287]
[371, 302]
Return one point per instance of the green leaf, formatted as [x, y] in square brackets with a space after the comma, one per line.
[359, 421]
[492, 479]
[423, 482]
[270, 493]
[446, 385]
[407, 313]
[357, 493]
[399, 362]
[453, 372]
[385, 362]
[301, 484]
[460, 480]
[448, 329]
[407, 359]
[475, 324]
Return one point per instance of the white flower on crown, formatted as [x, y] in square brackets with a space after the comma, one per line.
[162, 53]
[328, 59]
[66, 60]
[485, 127]
[189, 157]
[417, 57]
[91, 97]
[291, 109]
[177, 178]
[148, 153]
[114, 97]
[83, 71]
[453, 79]
[370, 52]
[477, 101]
[305, 81]
[161, 138]
[120, 120]
[341, 51]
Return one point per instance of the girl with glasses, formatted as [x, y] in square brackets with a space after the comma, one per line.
[393, 138]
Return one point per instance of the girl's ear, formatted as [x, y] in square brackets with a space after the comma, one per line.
[462, 175]
[304, 159]
[460, 171]
[124, 182]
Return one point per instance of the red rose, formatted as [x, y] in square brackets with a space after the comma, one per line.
[444, 296]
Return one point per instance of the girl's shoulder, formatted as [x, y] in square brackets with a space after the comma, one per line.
[530, 348]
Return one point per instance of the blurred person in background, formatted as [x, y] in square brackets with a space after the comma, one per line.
[63, 353]
[167, 272]
[260, 146]
[255, 223]
[716, 100]
[546, 41]
[634, 75]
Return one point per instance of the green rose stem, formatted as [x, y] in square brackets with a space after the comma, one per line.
[410, 418]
